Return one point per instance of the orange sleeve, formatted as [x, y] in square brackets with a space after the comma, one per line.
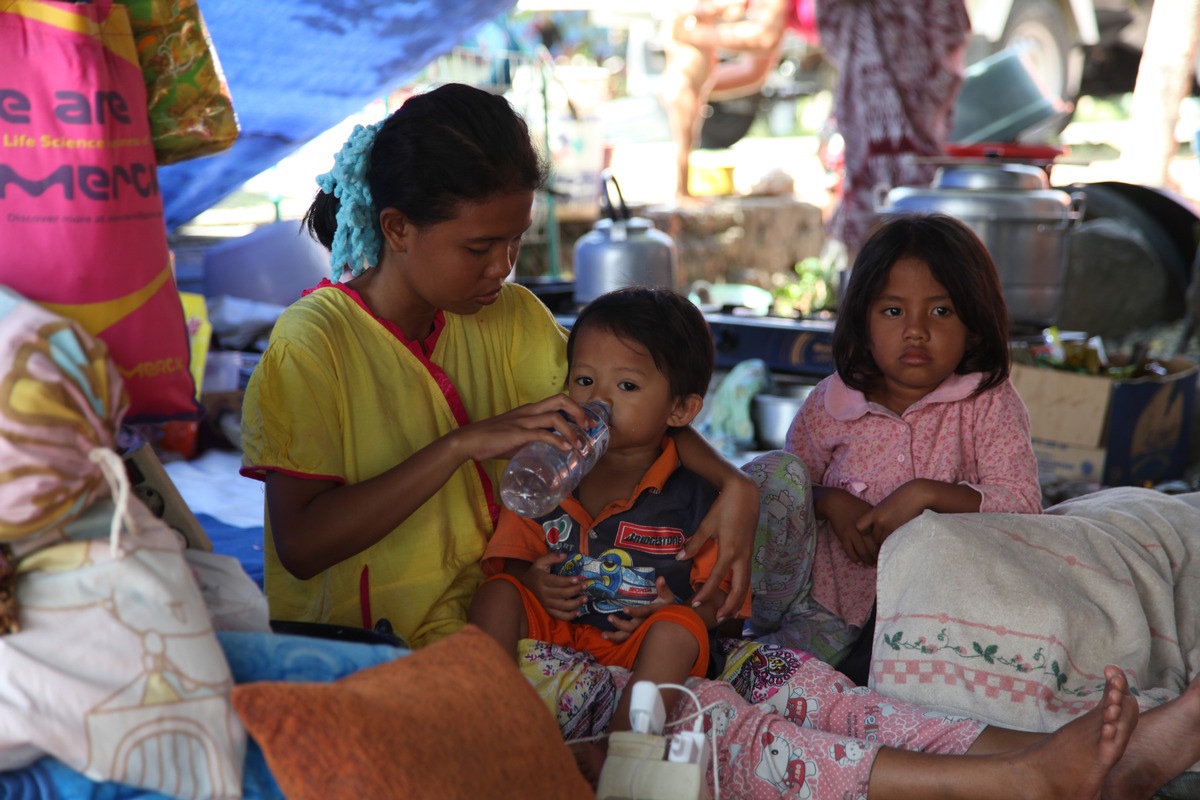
[515, 537]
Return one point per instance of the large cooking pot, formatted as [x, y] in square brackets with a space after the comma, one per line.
[1024, 224]
[621, 250]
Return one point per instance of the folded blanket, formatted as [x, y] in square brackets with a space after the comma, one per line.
[1011, 618]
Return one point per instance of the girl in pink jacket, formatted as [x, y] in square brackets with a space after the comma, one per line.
[920, 415]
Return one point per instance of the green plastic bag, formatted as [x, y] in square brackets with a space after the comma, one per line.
[188, 101]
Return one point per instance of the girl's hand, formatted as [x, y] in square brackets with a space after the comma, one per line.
[638, 614]
[902, 505]
[861, 548]
[732, 519]
[844, 512]
[560, 595]
[503, 435]
[910, 499]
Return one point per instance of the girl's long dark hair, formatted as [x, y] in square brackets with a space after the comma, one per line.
[447, 146]
[960, 261]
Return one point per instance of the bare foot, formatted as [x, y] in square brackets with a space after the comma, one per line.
[1074, 761]
[1166, 742]
[589, 758]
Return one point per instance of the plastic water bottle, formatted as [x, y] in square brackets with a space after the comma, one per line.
[540, 475]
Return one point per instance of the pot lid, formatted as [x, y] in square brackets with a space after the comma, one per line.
[1019, 177]
[983, 191]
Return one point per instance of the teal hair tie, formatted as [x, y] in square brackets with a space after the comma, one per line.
[357, 238]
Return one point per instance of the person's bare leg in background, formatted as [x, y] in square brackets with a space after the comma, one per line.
[695, 74]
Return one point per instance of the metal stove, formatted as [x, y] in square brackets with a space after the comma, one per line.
[789, 346]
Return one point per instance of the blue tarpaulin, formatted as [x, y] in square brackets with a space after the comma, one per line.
[297, 68]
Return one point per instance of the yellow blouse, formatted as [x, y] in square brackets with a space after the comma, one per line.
[340, 394]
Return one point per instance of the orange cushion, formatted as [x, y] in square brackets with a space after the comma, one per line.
[456, 719]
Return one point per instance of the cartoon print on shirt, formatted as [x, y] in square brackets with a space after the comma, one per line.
[784, 768]
[611, 581]
[558, 532]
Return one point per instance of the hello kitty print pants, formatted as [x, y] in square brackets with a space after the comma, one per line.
[815, 736]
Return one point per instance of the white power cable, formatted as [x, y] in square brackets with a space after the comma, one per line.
[585, 739]
[697, 719]
[698, 727]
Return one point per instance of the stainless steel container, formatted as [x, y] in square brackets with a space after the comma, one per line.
[773, 413]
[1024, 224]
[621, 250]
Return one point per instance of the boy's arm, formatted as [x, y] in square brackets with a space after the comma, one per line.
[731, 521]
[518, 548]
[516, 567]
[707, 610]
[561, 596]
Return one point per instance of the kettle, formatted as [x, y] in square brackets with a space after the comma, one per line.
[621, 250]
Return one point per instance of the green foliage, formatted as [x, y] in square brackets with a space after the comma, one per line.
[810, 291]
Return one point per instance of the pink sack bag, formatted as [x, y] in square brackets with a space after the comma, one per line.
[81, 217]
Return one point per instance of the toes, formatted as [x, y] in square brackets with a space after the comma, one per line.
[1115, 677]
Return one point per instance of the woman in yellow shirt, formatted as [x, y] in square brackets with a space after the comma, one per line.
[382, 410]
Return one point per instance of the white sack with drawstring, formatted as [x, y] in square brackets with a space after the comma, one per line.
[116, 670]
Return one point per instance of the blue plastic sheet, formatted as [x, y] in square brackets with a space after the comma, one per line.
[297, 68]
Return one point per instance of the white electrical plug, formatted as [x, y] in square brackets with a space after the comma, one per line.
[646, 712]
[689, 747]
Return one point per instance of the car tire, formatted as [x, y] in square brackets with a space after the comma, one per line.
[1041, 28]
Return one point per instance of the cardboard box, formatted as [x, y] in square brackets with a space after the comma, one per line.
[1142, 426]
[1068, 462]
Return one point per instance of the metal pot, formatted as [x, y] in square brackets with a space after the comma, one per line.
[1024, 224]
[773, 413]
[621, 250]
